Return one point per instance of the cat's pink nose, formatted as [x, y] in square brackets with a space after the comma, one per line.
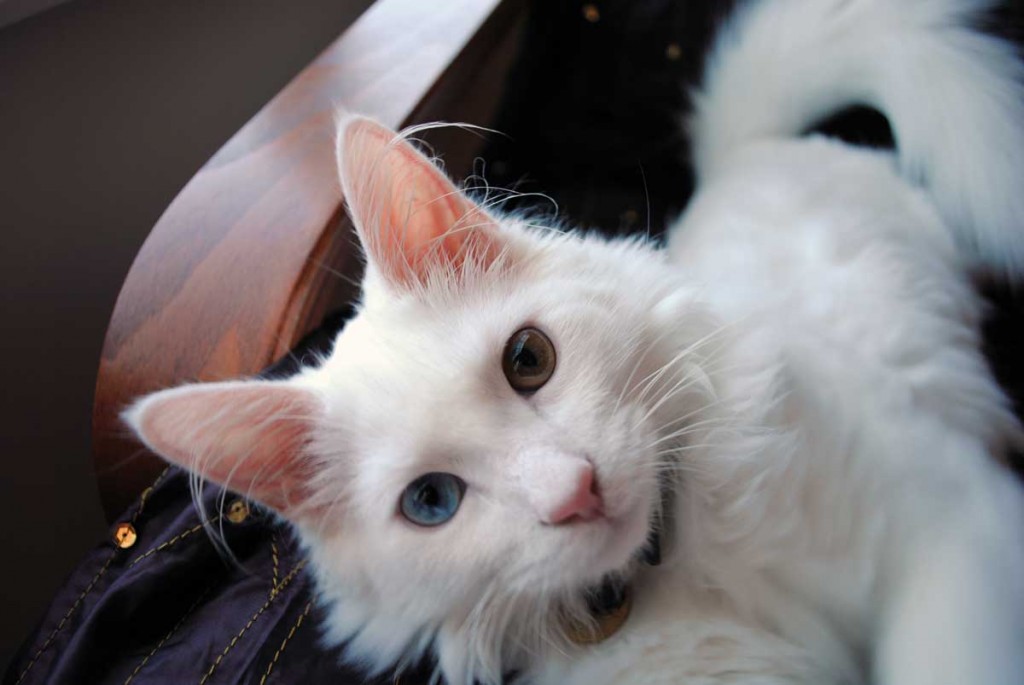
[583, 502]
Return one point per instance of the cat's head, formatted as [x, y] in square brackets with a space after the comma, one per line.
[485, 443]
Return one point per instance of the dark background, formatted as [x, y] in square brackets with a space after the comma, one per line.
[107, 108]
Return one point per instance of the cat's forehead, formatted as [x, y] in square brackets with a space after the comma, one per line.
[454, 332]
[420, 388]
[447, 334]
[413, 327]
[412, 352]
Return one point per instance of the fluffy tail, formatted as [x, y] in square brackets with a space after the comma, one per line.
[954, 98]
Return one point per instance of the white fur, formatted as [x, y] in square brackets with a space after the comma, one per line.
[952, 96]
[801, 366]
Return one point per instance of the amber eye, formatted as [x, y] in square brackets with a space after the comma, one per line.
[528, 360]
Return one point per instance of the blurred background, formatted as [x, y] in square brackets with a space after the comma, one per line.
[107, 108]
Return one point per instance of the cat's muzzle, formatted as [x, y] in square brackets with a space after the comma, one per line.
[610, 602]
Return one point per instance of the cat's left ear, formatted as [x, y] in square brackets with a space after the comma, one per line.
[249, 436]
[409, 216]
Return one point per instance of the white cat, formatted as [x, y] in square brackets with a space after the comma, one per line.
[791, 396]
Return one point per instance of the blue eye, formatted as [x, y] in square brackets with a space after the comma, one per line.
[432, 499]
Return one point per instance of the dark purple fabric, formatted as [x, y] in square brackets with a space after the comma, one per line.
[174, 609]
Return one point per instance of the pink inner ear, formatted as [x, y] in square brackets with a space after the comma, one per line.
[410, 217]
[249, 437]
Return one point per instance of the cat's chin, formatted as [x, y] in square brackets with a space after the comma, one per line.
[604, 547]
[612, 591]
[621, 543]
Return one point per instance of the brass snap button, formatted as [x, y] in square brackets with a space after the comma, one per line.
[237, 511]
[125, 535]
[604, 625]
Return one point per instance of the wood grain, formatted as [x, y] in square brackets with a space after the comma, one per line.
[244, 260]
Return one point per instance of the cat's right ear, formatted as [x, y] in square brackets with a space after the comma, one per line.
[249, 436]
[410, 217]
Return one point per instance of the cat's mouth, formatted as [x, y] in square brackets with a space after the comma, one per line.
[609, 602]
[614, 590]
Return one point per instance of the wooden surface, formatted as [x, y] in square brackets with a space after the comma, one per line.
[245, 260]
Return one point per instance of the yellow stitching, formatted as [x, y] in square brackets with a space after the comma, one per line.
[284, 643]
[49, 640]
[149, 491]
[167, 636]
[284, 583]
[273, 556]
[176, 539]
